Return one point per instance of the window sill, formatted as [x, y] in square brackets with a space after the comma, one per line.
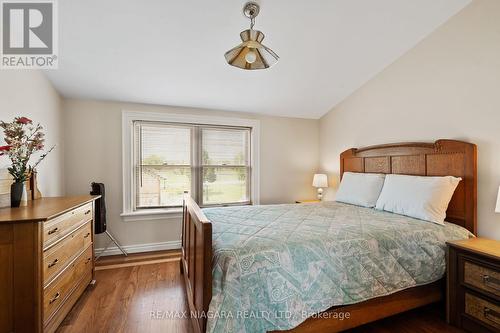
[152, 214]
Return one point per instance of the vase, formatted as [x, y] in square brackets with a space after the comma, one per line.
[17, 193]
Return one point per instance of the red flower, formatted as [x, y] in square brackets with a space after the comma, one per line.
[23, 120]
[3, 149]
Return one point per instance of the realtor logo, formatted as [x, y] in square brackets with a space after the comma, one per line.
[29, 34]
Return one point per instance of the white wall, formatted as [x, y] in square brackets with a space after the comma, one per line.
[448, 86]
[288, 159]
[28, 93]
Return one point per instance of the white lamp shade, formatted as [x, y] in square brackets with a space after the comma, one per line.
[320, 180]
[497, 209]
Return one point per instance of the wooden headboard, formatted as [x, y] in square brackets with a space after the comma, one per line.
[442, 158]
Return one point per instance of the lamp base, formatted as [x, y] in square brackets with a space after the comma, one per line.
[320, 194]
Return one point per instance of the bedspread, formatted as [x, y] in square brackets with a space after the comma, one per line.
[276, 265]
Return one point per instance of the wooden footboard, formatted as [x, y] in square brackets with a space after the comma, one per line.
[196, 261]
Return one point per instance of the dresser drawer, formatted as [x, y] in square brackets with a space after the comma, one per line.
[58, 256]
[64, 224]
[58, 317]
[482, 277]
[56, 293]
[482, 310]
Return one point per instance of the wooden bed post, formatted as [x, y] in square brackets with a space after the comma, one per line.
[196, 261]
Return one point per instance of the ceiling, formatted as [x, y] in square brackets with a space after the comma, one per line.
[172, 52]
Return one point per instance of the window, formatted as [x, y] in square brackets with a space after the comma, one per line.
[212, 162]
[163, 164]
[225, 165]
[163, 156]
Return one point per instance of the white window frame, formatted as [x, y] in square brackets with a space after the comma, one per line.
[128, 118]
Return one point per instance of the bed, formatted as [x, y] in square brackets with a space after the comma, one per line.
[302, 268]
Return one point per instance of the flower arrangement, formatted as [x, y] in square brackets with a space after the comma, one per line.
[23, 140]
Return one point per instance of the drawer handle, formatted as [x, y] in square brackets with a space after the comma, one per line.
[87, 235]
[87, 212]
[53, 231]
[53, 263]
[491, 282]
[491, 315]
[53, 299]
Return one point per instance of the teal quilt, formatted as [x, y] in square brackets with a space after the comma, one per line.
[276, 265]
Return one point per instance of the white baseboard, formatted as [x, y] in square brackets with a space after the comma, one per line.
[113, 250]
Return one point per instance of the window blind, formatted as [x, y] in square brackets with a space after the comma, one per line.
[212, 162]
[225, 165]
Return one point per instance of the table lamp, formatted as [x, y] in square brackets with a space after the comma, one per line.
[320, 180]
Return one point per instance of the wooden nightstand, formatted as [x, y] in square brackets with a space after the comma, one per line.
[473, 284]
[306, 201]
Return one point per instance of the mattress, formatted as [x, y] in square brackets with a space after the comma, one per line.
[276, 265]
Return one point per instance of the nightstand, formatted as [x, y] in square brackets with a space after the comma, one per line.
[473, 284]
[306, 201]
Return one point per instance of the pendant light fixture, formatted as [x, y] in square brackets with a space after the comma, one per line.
[251, 54]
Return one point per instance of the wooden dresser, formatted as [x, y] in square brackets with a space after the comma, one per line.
[473, 281]
[46, 261]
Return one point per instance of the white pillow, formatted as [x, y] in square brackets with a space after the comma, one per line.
[424, 198]
[361, 189]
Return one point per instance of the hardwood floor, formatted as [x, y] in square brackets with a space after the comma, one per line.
[156, 257]
[130, 292]
[124, 298]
